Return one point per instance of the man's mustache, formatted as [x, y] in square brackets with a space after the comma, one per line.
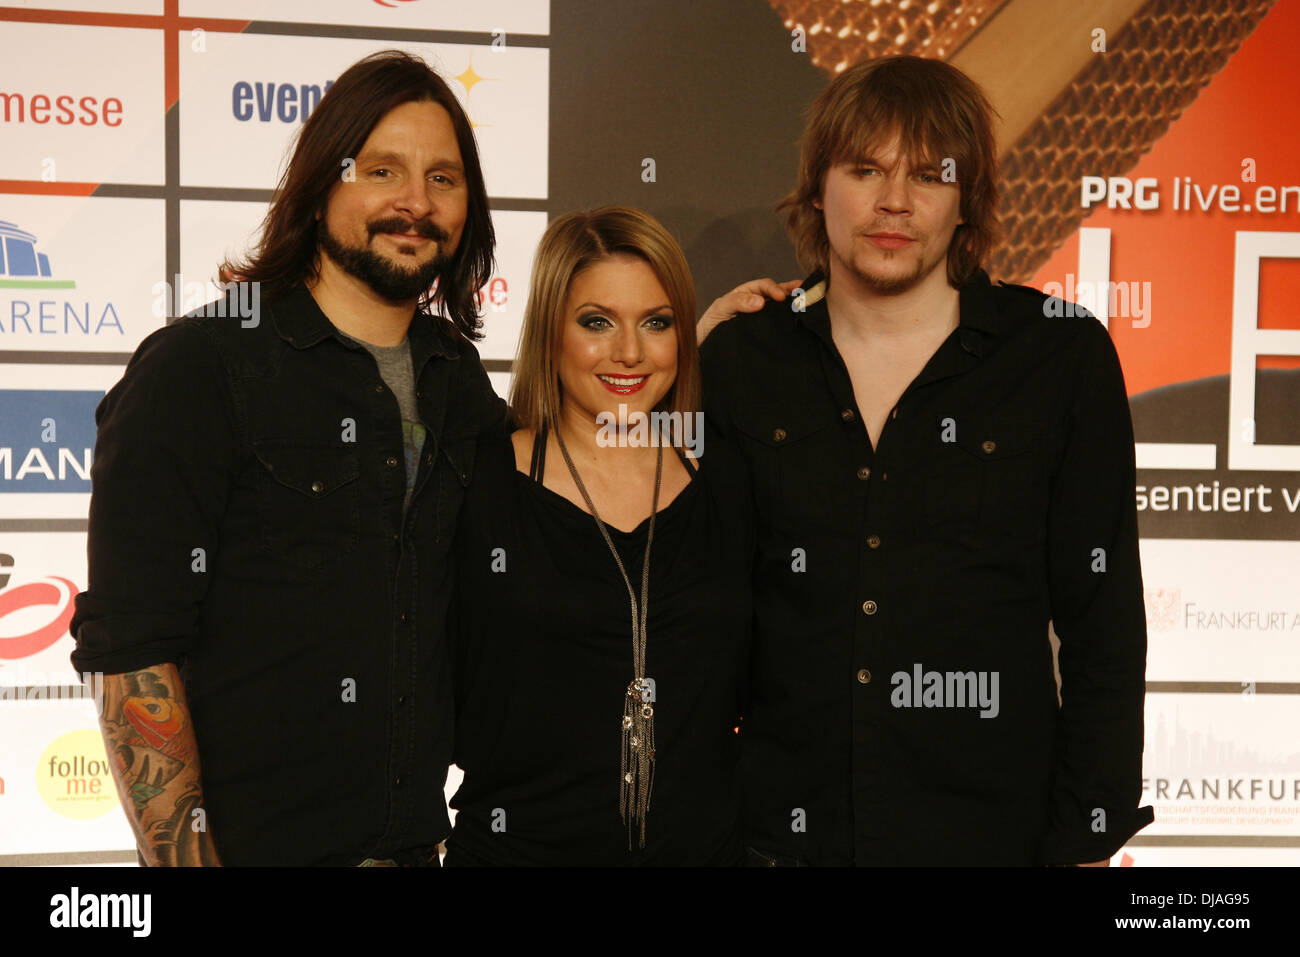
[872, 230]
[424, 227]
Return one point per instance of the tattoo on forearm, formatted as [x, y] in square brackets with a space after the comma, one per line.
[149, 733]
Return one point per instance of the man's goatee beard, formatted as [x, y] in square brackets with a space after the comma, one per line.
[389, 281]
[888, 285]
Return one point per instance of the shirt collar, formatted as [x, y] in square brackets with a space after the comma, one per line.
[978, 320]
[300, 322]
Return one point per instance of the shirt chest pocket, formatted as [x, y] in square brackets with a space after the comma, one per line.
[792, 453]
[310, 503]
[987, 482]
[454, 471]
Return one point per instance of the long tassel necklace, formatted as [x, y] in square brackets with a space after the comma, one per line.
[637, 771]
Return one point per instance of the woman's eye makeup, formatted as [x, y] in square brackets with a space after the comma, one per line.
[598, 321]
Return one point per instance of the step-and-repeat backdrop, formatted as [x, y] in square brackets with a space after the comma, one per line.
[1151, 163]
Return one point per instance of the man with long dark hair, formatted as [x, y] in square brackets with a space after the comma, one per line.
[939, 469]
[274, 500]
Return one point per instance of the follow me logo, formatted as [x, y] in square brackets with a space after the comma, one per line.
[47, 439]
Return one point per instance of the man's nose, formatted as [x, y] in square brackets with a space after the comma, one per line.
[413, 200]
[895, 196]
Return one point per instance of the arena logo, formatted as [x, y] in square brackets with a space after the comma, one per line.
[47, 440]
[271, 101]
[24, 630]
[22, 267]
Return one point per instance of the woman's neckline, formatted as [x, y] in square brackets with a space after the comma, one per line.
[613, 529]
[692, 477]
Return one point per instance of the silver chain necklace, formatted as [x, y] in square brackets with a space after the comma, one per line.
[637, 769]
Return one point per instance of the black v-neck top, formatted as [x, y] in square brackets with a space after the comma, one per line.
[544, 657]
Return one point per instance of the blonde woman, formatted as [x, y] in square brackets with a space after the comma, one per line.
[604, 560]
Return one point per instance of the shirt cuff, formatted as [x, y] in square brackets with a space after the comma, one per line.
[1070, 846]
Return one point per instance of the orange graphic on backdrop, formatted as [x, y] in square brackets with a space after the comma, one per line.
[1247, 111]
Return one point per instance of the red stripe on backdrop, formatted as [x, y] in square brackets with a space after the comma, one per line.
[170, 22]
[169, 18]
[47, 189]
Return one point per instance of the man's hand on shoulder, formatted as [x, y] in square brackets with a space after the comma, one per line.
[748, 297]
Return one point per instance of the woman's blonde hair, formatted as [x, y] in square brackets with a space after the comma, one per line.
[572, 243]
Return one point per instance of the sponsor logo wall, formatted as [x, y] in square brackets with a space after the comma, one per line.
[1192, 253]
[132, 165]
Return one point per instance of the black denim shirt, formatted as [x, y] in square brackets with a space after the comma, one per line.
[1003, 469]
[246, 523]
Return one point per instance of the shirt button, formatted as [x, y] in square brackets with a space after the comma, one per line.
[396, 538]
[402, 619]
[397, 782]
[318, 487]
[778, 435]
[847, 415]
[428, 458]
[873, 541]
[988, 445]
[401, 699]
[379, 387]
[864, 473]
[869, 607]
[864, 676]
[391, 461]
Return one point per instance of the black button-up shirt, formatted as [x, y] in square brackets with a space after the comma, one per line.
[904, 706]
[247, 523]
